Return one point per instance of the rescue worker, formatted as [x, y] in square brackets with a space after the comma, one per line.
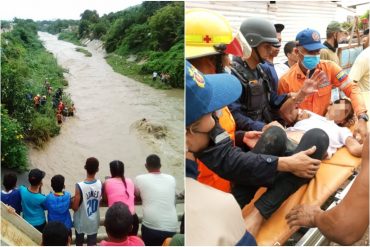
[71, 110]
[259, 102]
[36, 101]
[59, 117]
[308, 52]
[61, 106]
[207, 34]
[206, 140]
[43, 100]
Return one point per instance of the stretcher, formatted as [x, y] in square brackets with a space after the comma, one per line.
[330, 176]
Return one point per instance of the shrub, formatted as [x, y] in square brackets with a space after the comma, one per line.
[42, 128]
[13, 149]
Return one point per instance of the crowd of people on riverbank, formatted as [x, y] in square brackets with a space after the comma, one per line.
[61, 110]
[155, 189]
[163, 76]
[241, 116]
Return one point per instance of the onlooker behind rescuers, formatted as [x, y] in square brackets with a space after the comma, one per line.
[360, 70]
[335, 35]
[158, 194]
[11, 195]
[282, 68]
[308, 51]
[118, 225]
[33, 202]
[86, 204]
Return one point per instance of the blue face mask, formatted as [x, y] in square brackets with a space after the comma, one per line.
[311, 61]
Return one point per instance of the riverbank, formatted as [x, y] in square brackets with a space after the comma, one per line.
[28, 70]
[131, 68]
[108, 105]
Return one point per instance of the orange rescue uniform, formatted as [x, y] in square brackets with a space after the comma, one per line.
[206, 176]
[293, 80]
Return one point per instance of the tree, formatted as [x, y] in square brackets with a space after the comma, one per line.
[165, 23]
[99, 29]
[90, 15]
[83, 28]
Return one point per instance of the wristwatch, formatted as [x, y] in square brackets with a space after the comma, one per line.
[363, 116]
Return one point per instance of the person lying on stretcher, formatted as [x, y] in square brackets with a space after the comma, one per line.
[339, 114]
[336, 123]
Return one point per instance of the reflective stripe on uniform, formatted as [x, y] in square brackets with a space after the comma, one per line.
[345, 83]
[208, 39]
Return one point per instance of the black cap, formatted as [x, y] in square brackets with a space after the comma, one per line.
[279, 27]
[35, 176]
[366, 32]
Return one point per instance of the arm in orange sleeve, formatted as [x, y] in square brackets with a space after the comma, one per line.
[354, 93]
[341, 79]
[283, 86]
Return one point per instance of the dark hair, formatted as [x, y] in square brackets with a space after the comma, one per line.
[57, 183]
[349, 114]
[55, 233]
[35, 176]
[117, 169]
[118, 220]
[92, 165]
[289, 46]
[9, 181]
[182, 225]
[153, 162]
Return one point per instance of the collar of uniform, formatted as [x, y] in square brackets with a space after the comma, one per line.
[330, 47]
[299, 74]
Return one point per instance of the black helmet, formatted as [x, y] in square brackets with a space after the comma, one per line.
[257, 30]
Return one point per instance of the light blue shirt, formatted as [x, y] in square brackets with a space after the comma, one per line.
[33, 206]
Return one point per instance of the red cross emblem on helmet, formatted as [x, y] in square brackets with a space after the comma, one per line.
[207, 39]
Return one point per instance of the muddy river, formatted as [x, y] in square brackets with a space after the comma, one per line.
[109, 107]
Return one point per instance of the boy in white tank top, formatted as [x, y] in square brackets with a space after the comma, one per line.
[86, 205]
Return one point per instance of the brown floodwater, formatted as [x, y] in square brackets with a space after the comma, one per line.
[107, 123]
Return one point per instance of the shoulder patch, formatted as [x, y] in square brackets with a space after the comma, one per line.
[341, 76]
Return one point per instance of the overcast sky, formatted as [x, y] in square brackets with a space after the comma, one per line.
[59, 9]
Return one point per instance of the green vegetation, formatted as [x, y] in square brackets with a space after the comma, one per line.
[70, 37]
[86, 52]
[123, 66]
[13, 149]
[25, 65]
[58, 26]
[152, 32]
